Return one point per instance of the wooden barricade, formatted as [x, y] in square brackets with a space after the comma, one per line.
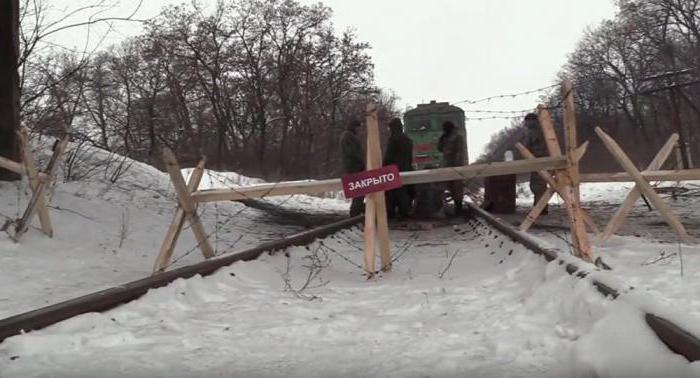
[565, 181]
[39, 182]
[376, 224]
[642, 187]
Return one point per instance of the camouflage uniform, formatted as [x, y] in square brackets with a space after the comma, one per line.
[453, 148]
[351, 153]
[399, 151]
[534, 141]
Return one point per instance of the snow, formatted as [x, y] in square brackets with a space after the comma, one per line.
[462, 300]
[109, 233]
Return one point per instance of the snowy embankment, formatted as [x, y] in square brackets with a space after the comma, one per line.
[108, 233]
[649, 255]
[458, 303]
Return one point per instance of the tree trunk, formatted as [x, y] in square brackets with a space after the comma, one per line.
[677, 124]
[9, 84]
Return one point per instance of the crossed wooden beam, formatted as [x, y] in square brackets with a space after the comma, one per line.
[186, 211]
[642, 187]
[376, 223]
[39, 182]
[566, 181]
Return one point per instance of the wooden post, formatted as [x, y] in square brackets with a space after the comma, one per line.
[578, 228]
[375, 211]
[550, 136]
[25, 221]
[567, 180]
[618, 219]
[32, 174]
[173, 233]
[370, 234]
[643, 185]
[186, 202]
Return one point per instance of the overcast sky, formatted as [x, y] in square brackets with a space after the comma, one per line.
[444, 50]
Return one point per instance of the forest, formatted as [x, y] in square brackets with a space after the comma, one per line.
[638, 77]
[266, 87]
[260, 87]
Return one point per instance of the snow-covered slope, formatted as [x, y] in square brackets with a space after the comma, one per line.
[108, 233]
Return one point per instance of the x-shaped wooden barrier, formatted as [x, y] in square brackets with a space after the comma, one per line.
[564, 182]
[642, 186]
[39, 182]
[34, 182]
[186, 210]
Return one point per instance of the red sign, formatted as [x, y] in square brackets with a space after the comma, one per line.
[376, 180]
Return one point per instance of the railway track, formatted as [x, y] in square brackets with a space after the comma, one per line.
[673, 336]
[109, 298]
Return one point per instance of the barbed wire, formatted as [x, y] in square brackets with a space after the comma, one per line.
[219, 227]
[494, 118]
[498, 111]
[507, 95]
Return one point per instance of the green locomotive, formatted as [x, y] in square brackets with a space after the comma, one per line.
[424, 126]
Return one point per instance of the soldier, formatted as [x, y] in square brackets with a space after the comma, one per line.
[534, 141]
[399, 151]
[453, 148]
[351, 150]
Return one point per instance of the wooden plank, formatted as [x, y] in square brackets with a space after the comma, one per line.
[11, 165]
[552, 183]
[30, 167]
[414, 177]
[532, 216]
[374, 160]
[662, 175]
[578, 227]
[370, 234]
[644, 186]
[186, 202]
[370, 217]
[550, 136]
[173, 233]
[633, 196]
[383, 232]
[25, 221]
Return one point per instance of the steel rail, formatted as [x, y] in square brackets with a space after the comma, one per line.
[676, 338]
[109, 298]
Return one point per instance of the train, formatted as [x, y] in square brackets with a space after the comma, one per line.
[423, 124]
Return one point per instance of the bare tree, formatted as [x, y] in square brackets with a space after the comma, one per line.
[9, 84]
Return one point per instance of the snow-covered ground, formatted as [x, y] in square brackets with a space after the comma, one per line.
[109, 233]
[648, 255]
[461, 301]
